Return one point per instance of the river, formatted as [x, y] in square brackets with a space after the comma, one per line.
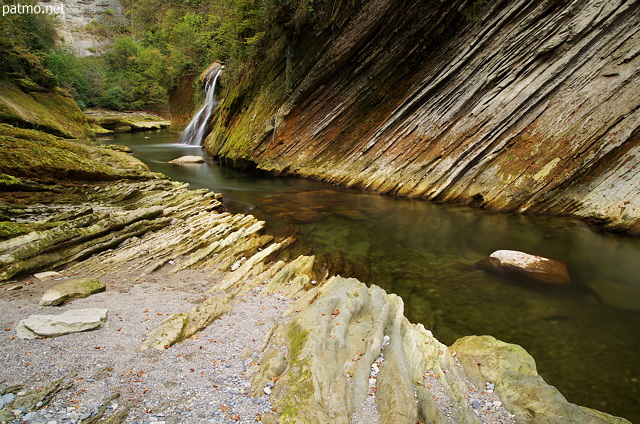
[585, 337]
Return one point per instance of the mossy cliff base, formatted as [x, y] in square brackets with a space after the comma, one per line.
[529, 107]
[26, 105]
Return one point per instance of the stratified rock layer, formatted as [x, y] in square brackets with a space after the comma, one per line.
[72, 289]
[511, 105]
[343, 343]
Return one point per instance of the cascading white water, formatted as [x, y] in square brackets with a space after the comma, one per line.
[196, 131]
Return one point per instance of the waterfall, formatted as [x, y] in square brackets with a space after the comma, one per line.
[198, 128]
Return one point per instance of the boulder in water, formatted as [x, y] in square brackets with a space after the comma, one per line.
[522, 264]
[188, 159]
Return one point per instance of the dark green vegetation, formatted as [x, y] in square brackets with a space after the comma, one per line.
[24, 46]
[152, 47]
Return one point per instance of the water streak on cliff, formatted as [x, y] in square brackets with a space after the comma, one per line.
[198, 128]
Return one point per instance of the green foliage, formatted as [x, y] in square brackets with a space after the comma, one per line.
[474, 10]
[25, 41]
[152, 46]
[69, 73]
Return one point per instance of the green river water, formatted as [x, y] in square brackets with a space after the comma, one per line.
[585, 337]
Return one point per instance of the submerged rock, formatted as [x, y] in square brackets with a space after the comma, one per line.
[538, 268]
[617, 294]
[72, 289]
[73, 321]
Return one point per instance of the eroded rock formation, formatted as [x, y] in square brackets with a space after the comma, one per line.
[528, 106]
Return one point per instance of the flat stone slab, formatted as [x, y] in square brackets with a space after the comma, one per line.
[525, 265]
[72, 289]
[188, 159]
[48, 275]
[73, 321]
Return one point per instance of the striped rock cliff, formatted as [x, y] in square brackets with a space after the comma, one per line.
[513, 105]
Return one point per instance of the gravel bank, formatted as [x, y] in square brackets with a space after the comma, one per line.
[203, 379]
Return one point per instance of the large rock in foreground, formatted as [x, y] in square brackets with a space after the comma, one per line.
[72, 289]
[343, 345]
[74, 321]
[520, 264]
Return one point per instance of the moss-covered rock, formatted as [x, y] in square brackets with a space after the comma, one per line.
[33, 154]
[49, 111]
[72, 289]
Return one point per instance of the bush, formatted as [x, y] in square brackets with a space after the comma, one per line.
[117, 98]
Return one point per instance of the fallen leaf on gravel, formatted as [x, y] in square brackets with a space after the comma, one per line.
[235, 417]
[224, 408]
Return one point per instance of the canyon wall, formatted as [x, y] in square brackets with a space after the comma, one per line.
[514, 105]
[76, 19]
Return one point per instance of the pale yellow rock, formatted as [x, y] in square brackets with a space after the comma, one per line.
[72, 289]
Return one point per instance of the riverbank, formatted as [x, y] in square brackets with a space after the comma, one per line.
[185, 280]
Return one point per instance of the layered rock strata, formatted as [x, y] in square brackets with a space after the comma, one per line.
[510, 105]
[339, 348]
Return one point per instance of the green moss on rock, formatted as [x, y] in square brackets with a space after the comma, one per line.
[47, 111]
[33, 154]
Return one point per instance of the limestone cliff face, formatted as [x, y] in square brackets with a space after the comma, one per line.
[77, 14]
[528, 106]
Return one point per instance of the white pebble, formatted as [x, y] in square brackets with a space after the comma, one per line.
[267, 390]
[497, 404]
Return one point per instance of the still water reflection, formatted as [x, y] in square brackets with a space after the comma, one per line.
[584, 337]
